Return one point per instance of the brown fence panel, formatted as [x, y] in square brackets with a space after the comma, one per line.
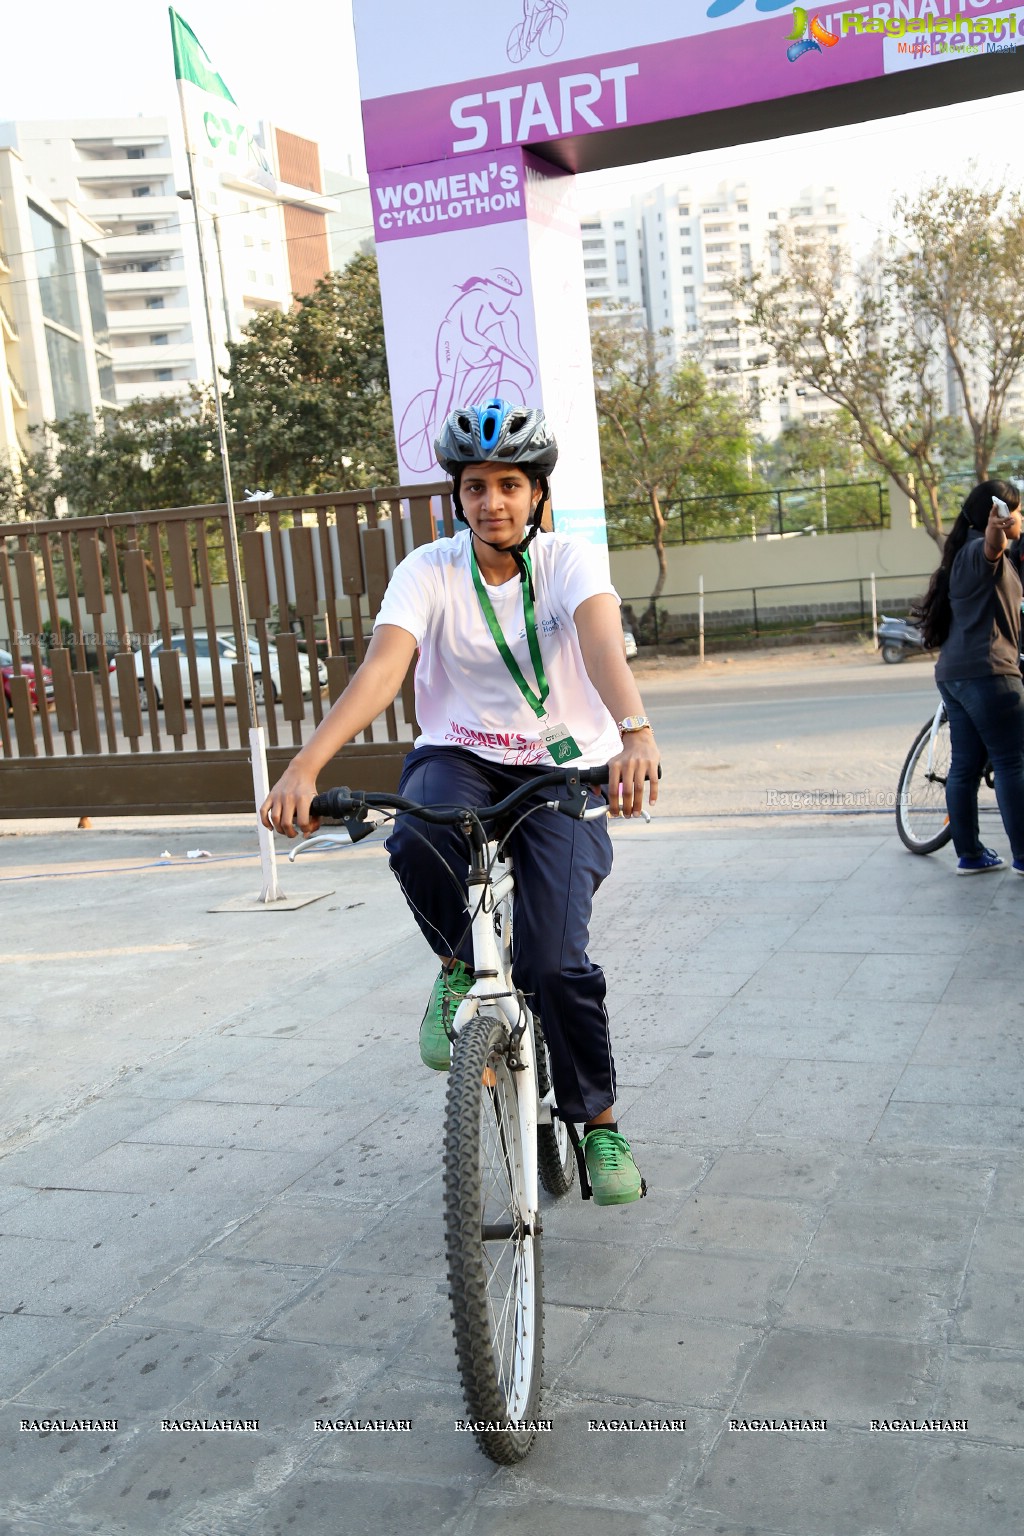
[143, 611]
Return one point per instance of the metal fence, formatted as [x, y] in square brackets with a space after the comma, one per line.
[738, 615]
[786, 512]
[137, 620]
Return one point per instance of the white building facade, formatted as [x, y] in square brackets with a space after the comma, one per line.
[57, 357]
[673, 256]
[264, 247]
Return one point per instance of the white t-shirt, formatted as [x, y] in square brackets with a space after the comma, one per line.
[465, 695]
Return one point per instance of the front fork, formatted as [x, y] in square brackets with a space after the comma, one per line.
[493, 990]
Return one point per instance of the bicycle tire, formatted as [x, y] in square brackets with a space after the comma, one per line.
[495, 1280]
[515, 51]
[921, 817]
[556, 1160]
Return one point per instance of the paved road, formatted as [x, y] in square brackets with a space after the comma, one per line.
[839, 727]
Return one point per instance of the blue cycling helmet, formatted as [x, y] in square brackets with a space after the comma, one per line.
[496, 432]
[499, 433]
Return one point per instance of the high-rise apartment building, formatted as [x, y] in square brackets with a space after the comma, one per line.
[264, 246]
[677, 253]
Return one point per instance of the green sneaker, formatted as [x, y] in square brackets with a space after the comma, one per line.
[448, 991]
[614, 1177]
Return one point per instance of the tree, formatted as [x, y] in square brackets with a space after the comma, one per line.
[947, 288]
[666, 433]
[151, 453]
[308, 404]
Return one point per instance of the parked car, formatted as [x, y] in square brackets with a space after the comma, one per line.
[27, 670]
[628, 637]
[227, 656]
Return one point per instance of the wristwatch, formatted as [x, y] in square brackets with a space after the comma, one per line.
[633, 723]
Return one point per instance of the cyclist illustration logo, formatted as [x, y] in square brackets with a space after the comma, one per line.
[478, 355]
[543, 23]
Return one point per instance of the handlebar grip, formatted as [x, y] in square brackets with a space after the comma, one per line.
[332, 805]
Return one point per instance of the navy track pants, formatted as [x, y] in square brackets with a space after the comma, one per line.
[559, 863]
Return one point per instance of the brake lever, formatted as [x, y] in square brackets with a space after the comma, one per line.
[320, 842]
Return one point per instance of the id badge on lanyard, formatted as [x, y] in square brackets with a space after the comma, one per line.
[556, 738]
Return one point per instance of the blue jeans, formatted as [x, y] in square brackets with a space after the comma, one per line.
[986, 722]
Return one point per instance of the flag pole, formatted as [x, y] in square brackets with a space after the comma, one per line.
[270, 890]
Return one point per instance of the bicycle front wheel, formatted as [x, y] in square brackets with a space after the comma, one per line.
[493, 1246]
[921, 817]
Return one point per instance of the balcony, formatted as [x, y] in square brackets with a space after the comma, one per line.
[114, 171]
[173, 281]
[8, 329]
[141, 359]
[151, 389]
[142, 247]
[129, 322]
[17, 389]
[122, 207]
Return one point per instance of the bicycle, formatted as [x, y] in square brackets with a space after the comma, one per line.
[502, 1131]
[545, 27]
[922, 820]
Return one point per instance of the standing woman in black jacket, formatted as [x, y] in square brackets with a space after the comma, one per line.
[972, 609]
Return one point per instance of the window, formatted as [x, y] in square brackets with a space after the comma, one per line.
[249, 241]
[105, 372]
[687, 271]
[593, 245]
[155, 301]
[67, 374]
[594, 263]
[833, 229]
[686, 250]
[595, 282]
[741, 207]
[159, 340]
[684, 211]
[831, 208]
[141, 191]
[619, 224]
[164, 375]
[144, 229]
[135, 153]
[97, 303]
[744, 227]
[772, 217]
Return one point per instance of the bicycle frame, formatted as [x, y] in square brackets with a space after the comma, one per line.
[491, 885]
[936, 723]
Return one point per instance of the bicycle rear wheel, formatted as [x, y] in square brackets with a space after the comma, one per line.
[493, 1249]
[921, 817]
[556, 1160]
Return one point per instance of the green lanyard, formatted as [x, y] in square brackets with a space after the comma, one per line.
[536, 700]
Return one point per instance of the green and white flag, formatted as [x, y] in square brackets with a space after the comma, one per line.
[213, 124]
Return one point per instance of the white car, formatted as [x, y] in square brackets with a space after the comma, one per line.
[227, 656]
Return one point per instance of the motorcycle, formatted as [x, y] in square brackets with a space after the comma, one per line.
[898, 637]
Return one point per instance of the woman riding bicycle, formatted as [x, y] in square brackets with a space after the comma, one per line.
[521, 665]
[972, 610]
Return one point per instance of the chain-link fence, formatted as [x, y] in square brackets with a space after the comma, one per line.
[752, 615]
[786, 512]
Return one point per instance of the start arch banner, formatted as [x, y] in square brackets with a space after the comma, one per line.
[476, 117]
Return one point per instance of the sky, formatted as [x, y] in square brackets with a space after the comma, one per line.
[294, 61]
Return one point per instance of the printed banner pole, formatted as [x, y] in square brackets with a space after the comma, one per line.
[270, 891]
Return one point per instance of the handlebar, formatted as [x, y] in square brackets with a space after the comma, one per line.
[352, 804]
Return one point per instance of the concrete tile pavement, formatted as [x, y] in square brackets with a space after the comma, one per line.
[221, 1198]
